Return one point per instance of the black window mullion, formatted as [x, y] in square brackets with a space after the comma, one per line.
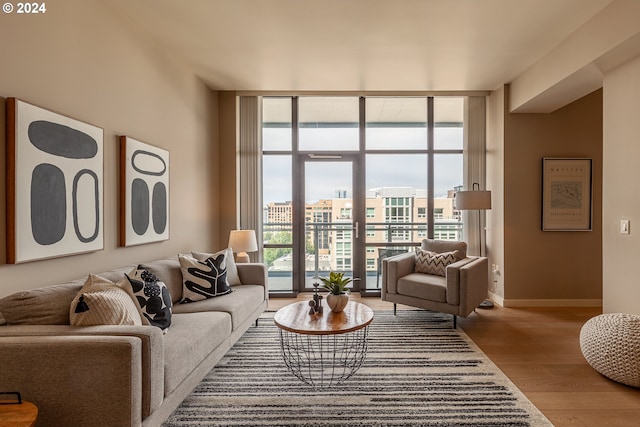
[430, 172]
[297, 172]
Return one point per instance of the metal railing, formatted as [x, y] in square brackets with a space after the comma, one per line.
[322, 252]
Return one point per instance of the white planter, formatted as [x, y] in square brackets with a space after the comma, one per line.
[337, 303]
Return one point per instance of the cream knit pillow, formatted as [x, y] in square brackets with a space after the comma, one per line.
[102, 302]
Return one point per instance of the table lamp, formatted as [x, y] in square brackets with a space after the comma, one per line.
[241, 242]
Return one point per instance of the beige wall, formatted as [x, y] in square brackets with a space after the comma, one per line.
[81, 61]
[622, 188]
[550, 268]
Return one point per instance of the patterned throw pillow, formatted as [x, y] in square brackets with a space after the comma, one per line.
[152, 296]
[102, 302]
[229, 263]
[434, 263]
[203, 279]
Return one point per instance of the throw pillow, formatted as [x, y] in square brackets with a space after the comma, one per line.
[203, 279]
[434, 263]
[102, 302]
[230, 264]
[152, 296]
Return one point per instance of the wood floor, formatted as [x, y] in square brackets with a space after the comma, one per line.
[539, 350]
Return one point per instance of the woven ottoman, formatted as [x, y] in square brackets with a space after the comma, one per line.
[611, 345]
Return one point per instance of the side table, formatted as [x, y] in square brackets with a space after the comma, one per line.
[323, 349]
[18, 414]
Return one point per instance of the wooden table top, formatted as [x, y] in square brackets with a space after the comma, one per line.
[296, 318]
[18, 415]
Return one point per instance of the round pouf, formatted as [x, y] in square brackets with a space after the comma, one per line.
[611, 345]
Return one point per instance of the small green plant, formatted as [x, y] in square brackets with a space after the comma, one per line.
[336, 283]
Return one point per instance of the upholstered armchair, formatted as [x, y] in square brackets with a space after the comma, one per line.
[439, 276]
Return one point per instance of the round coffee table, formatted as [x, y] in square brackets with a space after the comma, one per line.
[323, 349]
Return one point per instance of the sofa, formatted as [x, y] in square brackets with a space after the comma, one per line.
[120, 375]
[439, 276]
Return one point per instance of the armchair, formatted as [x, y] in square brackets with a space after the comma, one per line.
[459, 291]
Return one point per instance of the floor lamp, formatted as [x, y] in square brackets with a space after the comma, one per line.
[477, 200]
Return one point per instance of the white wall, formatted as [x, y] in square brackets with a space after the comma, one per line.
[80, 60]
[621, 196]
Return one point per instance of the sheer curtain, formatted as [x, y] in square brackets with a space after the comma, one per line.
[475, 168]
[250, 170]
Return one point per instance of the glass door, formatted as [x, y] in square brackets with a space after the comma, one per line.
[330, 226]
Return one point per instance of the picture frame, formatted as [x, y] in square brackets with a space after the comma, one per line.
[54, 182]
[144, 193]
[567, 187]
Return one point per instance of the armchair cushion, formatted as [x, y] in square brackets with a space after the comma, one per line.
[440, 246]
[423, 286]
[434, 263]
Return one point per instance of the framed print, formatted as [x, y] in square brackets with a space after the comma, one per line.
[566, 194]
[54, 184]
[144, 193]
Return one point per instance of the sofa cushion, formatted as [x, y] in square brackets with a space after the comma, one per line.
[168, 272]
[240, 304]
[434, 263]
[102, 302]
[232, 269]
[152, 297]
[424, 286]
[203, 279]
[43, 306]
[192, 337]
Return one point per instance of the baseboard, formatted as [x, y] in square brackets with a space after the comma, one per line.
[496, 298]
[551, 302]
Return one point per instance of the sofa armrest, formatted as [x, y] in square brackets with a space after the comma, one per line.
[453, 279]
[394, 268]
[76, 380]
[474, 284]
[151, 351]
[254, 274]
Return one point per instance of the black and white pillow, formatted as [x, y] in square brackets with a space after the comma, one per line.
[203, 279]
[229, 263]
[152, 297]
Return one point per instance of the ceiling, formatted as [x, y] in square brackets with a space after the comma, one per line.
[356, 45]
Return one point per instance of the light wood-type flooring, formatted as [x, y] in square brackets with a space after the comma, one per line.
[539, 350]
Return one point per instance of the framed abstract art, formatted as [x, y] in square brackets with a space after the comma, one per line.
[54, 184]
[144, 193]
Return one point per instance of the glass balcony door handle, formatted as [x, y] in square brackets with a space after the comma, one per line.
[356, 227]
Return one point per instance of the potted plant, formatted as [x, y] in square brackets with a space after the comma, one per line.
[338, 296]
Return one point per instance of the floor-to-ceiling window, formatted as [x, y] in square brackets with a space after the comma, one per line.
[348, 181]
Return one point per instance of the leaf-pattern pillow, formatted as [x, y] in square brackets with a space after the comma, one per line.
[203, 279]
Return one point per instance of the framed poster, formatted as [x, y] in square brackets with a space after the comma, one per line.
[54, 184]
[144, 193]
[566, 194]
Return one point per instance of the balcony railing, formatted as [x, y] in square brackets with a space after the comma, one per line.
[328, 246]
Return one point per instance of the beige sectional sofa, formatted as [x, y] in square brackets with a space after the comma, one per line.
[124, 375]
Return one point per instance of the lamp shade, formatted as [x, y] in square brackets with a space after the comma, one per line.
[243, 241]
[473, 200]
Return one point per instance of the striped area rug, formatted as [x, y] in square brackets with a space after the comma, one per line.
[418, 372]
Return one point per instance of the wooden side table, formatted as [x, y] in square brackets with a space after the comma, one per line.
[18, 414]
